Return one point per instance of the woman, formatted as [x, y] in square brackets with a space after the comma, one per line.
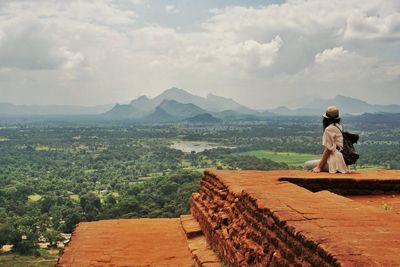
[332, 159]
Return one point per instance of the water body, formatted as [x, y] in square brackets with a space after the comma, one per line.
[196, 146]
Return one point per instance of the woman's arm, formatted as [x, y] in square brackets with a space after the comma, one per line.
[323, 160]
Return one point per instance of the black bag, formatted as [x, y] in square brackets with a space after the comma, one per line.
[348, 151]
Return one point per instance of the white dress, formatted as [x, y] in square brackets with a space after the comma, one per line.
[333, 139]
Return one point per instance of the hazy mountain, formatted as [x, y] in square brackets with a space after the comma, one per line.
[346, 104]
[219, 103]
[284, 111]
[123, 111]
[159, 115]
[142, 103]
[177, 109]
[211, 103]
[281, 111]
[126, 111]
[25, 110]
[203, 118]
[178, 95]
[231, 115]
[377, 118]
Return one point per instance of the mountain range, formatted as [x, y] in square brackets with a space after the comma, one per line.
[178, 105]
[8, 109]
[346, 104]
[211, 103]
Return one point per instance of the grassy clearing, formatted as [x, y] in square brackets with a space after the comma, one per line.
[367, 167]
[290, 158]
[74, 197]
[82, 147]
[88, 171]
[34, 197]
[185, 164]
[15, 260]
[42, 148]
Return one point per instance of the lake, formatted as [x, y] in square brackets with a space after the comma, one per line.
[196, 146]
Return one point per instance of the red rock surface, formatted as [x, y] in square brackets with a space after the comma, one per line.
[201, 251]
[258, 218]
[131, 242]
[254, 218]
[389, 203]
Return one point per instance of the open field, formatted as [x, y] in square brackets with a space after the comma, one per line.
[14, 260]
[34, 198]
[290, 158]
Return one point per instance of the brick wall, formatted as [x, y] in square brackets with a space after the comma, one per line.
[245, 233]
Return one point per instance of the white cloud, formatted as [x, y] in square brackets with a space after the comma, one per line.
[274, 52]
[380, 23]
[25, 44]
[137, 2]
[72, 60]
[331, 54]
[250, 53]
[171, 9]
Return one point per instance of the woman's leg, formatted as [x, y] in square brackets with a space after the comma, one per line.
[311, 164]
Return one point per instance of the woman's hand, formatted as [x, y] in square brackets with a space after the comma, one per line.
[316, 169]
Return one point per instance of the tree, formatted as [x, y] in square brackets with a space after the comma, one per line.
[52, 236]
[91, 205]
[71, 220]
[6, 232]
[23, 240]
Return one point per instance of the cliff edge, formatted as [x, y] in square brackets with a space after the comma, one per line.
[259, 218]
[289, 218]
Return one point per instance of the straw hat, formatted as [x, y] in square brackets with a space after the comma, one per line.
[331, 112]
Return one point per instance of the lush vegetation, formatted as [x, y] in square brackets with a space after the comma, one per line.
[291, 158]
[40, 258]
[56, 173]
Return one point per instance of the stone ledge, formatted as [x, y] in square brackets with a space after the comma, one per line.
[128, 242]
[201, 251]
[255, 218]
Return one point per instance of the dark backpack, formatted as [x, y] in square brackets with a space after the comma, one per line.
[349, 152]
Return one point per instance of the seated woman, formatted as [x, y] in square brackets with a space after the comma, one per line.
[332, 159]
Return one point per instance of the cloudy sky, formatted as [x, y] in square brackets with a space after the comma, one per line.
[260, 53]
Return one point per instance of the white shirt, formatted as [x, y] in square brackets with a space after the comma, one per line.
[332, 139]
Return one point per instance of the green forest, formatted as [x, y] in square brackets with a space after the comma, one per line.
[57, 173]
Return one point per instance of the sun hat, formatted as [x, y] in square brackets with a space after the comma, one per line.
[331, 112]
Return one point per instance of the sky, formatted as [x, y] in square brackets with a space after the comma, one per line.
[262, 54]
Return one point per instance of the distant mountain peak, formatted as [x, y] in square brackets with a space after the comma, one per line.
[348, 98]
[346, 104]
[203, 118]
[211, 95]
[216, 97]
[169, 101]
[175, 89]
[143, 97]
[174, 92]
[180, 103]
[160, 115]
[140, 99]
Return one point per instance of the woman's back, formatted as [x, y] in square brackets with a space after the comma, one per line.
[332, 159]
[333, 141]
[332, 137]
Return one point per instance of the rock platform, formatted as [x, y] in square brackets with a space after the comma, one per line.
[258, 218]
[139, 242]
